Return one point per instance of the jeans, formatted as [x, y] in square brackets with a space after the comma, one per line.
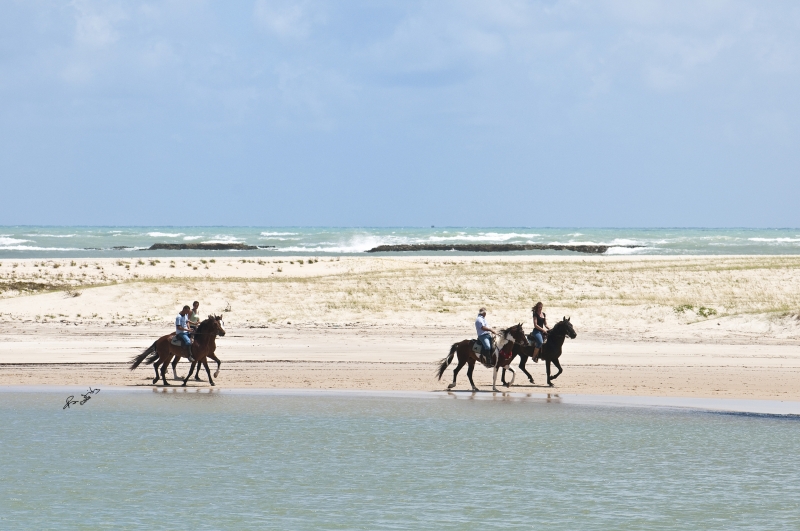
[185, 338]
[536, 336]
[486, 341]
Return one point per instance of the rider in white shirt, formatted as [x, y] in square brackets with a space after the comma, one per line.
[484, 331]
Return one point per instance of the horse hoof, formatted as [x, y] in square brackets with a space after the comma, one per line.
[167, 383]
[475, 389]
[183, 384]
[197, 379]
[550, 384]
[507, 385]
[212, 384]
[216, 374]
[155, 381]
[451, 386]
[530, 380]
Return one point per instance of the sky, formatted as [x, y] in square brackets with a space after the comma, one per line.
[400, 113]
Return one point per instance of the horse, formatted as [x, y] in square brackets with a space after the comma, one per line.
[162, 350]
[211, 355]
[550, 352]
[466, 355]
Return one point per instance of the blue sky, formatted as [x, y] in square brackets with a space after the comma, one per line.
[409, 113]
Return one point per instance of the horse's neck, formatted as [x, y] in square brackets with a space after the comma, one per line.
[556, 337]
[204, 339]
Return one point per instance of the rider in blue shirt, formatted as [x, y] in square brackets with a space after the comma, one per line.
[182, 330]
[484, 331]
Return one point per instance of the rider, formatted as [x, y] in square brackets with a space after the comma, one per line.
[194, 316]
[540, 329]
[182, 330]
[484, 331]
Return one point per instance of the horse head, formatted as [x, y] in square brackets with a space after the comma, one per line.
[515, 334]
[220, 324]
[212, 325]
[568, 329]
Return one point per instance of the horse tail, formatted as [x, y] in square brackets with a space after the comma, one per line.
[150, 351]
[446, 361]
[153, 357]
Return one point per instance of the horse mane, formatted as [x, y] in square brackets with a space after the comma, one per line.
[505, 330]
[205, 325]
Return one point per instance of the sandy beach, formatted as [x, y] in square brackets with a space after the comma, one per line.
[725, 327]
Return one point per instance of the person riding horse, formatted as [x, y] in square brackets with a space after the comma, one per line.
[540, 329]
[182, 331]
[485, 333]
[194, 316]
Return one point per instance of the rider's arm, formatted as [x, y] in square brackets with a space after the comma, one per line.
[487, 329]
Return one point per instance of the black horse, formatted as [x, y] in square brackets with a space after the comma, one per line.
[550, 353]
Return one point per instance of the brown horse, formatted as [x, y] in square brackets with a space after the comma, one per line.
[211, 354]
[466, 355]
[162, 350]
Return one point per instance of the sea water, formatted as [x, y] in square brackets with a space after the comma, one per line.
[91, 242]
[227, 460]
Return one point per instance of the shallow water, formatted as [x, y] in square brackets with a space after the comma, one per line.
[90, 242]
[271, 461]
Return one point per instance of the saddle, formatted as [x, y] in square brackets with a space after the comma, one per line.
[544, 338]
[176, 341]
[477, 346]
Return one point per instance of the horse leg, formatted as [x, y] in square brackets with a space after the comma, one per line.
[523, 360]
[494, 380]
[197, 374]
[547, 365]
[219, 363]
[558, 366]
[174, 372]
[503, 377]
[208, 372]
[513, 375]
[164, 372]
[469, 375]
[461, 363]
[191, 370]
[155, 366]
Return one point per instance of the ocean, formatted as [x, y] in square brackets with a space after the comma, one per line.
[95, 242]
[209, 459]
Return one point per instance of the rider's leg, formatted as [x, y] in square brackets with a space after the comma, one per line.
[486, 343]
[537, 343]
[187, 345]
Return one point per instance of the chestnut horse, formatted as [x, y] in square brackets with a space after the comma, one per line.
[162, 350]
[211, 355]
[466, 355]
[550, 352]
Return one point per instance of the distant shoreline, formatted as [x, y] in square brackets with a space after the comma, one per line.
[496, 248]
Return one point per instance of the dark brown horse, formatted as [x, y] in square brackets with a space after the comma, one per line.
[162, 350]
[551, 351]
[211, 355]
[466, 355]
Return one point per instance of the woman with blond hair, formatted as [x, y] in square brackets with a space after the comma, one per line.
[540, 329]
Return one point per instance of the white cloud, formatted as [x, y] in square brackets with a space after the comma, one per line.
[95, 22]
[284, 18]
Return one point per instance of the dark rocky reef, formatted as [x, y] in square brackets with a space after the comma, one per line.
[201, 247]
[494, 248]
